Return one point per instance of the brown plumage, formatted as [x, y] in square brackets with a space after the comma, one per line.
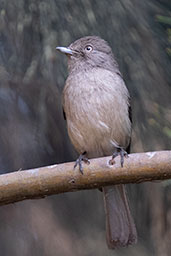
[96, 105]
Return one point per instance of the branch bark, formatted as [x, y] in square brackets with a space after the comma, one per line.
[55, 179]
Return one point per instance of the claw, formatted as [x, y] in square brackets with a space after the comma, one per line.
[80, 159]
[120, 152]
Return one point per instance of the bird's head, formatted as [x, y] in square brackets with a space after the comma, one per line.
[89, 52]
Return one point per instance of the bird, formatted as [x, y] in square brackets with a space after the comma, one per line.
[96, 105]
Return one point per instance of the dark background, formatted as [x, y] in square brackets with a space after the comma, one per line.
[33, 132]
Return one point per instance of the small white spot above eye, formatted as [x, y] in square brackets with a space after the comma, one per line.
[151, 154]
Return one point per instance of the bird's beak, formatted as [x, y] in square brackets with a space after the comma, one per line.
[65, 50]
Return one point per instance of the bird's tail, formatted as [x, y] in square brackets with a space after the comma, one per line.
[120, 227]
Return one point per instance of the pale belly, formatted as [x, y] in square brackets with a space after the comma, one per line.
[95, 137]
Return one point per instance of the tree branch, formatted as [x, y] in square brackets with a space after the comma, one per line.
[41, 182]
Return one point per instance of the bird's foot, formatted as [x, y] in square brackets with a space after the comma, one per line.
[119, 152]
[80, 159]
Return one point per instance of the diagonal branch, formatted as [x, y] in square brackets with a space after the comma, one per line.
[49, 180]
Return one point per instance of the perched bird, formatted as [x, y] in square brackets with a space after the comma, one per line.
[97, 109]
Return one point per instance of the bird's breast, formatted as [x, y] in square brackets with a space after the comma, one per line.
[96, 107]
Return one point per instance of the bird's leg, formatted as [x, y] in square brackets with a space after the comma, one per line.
[119, 152]
[80, 159]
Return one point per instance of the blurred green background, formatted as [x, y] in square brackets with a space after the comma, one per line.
[33, 132]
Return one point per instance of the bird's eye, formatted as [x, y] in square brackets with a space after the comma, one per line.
[88, 48]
